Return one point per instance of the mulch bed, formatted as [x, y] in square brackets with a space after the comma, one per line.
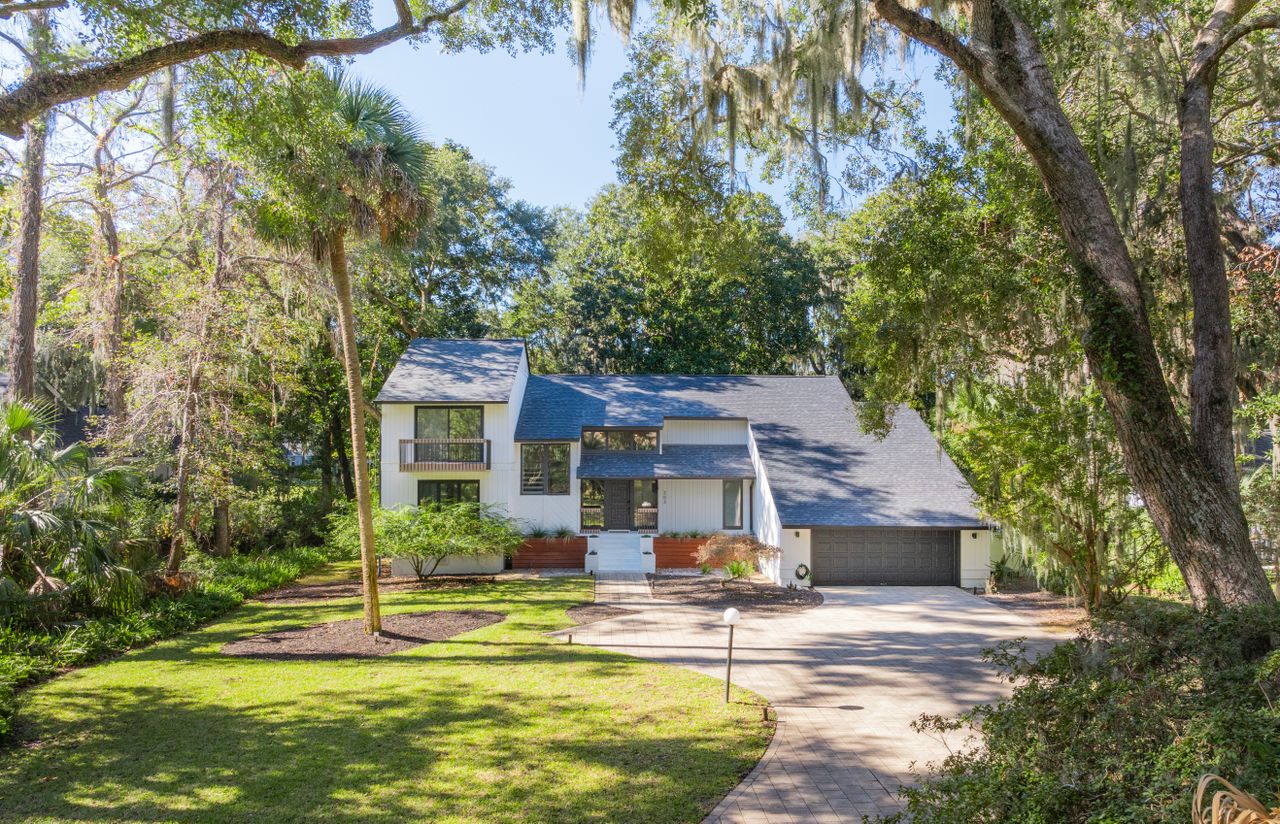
[590, 613]
[1054, 611]
[348, 589]
[712, 591]
[347, 639]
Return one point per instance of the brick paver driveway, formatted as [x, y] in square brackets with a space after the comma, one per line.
[847, 679]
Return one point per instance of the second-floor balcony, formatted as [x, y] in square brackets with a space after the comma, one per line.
[430, 454]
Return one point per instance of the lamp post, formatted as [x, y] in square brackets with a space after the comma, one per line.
[731, 617]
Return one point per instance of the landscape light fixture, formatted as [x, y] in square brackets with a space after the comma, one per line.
[731, 617]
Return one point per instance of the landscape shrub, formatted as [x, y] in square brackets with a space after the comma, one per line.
[30, 654]
[721, 550]
[1118, 724]
[426, 535]
[737, 569]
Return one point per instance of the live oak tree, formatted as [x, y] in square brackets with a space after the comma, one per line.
[647, 283]
[131, 41]
[674, 269]
[780, 68]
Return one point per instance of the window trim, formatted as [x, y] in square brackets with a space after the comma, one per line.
[449, 406]
[724, 484]
[545, 448]
[459, 481]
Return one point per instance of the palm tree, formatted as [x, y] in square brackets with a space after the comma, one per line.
[57, 525]
[354, 165]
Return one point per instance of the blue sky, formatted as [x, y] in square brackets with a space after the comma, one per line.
[525, 116]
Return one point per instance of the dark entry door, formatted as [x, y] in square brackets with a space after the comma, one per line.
[617, 504]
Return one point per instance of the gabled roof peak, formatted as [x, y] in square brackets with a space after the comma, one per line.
[455, 370]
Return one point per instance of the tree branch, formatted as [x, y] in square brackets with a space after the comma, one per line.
[43, 90]
[8, 9]
[932, 34]
[403, 13]
[1208, 59]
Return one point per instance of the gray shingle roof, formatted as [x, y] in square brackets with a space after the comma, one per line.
[468, 371]
[690, 461]
[822, 469]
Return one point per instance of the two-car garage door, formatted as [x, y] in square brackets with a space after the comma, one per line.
[886, 555]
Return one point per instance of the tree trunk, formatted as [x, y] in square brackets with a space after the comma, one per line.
[186, 438]
[359, 458]
[1275, 473]
[222, 528]
[1194, 507]
[110, 274]
[326, 470]
[344, 465]
[182, 476]
[111, 283]
[26, 293]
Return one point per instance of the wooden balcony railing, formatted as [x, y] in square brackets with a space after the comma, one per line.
[646, 519]
[428, 454]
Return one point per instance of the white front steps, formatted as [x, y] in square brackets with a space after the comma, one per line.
[620, 552]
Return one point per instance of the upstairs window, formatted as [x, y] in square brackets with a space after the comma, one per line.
[620, 440]
[449, 423]
[544, 469]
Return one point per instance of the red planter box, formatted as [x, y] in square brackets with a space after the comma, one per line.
[551, 553]
[676, 552]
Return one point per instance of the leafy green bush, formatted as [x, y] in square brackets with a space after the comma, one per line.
[28, 655]
[1118, 724]
[426, 535]
[737, 569]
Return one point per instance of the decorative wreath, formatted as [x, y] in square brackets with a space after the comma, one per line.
[802, 572]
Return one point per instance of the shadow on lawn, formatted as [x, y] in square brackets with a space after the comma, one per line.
[204, 762]
[503, 725]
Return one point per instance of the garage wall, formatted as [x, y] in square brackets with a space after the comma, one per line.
[768, 526]
[976, 548]
[795, 545]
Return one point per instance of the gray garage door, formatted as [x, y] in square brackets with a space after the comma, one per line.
[918, 557]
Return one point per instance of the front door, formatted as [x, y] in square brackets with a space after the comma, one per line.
[617, 504]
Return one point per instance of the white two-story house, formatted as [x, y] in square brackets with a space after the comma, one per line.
[621, 458]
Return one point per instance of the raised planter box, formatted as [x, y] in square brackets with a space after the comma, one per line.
[551, 553]
[676, 553]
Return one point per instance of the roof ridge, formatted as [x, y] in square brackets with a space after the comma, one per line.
[667, 375]
[471, 340]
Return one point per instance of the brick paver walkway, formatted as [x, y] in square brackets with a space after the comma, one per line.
[847, 679]
[623, 589]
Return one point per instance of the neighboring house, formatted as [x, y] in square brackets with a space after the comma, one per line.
[621, 458]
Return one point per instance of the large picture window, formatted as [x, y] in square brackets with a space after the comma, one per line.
[733, 504]
[544, 469]
[620, 440]
[447, 423]
[448, 492]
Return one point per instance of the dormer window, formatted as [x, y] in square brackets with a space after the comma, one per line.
[620, 440]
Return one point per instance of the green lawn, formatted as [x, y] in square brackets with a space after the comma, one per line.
[500, 724]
